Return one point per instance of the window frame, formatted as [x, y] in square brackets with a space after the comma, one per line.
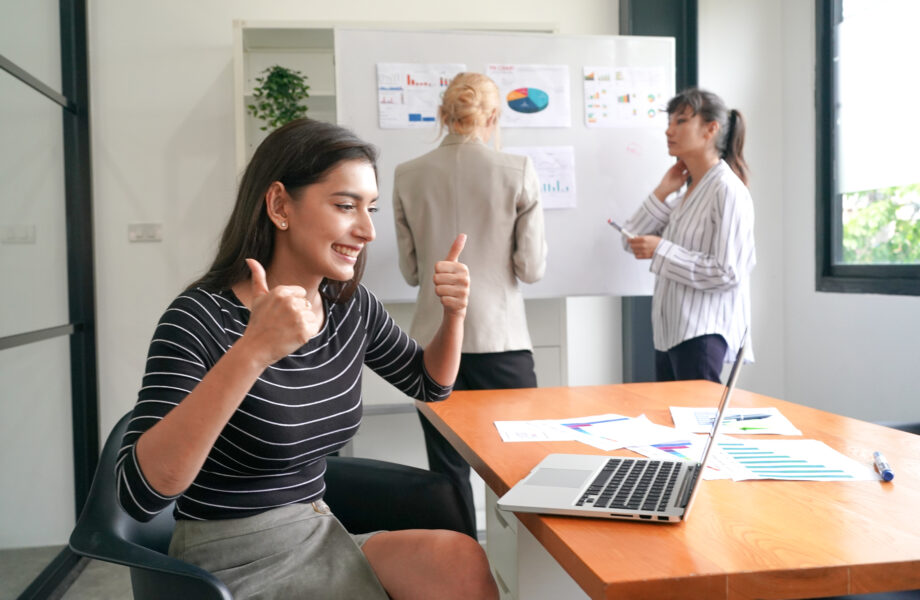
[831, 276]
[73, 98]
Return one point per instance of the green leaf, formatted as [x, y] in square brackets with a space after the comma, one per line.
[280, 93]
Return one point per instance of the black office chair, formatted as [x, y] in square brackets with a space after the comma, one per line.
[903, 426]
[365, 494]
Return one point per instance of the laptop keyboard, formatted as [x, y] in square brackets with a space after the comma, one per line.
[632, 485]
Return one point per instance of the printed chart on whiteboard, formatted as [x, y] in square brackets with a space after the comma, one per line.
[408, 95]
[626, 97]
[555, 166]
[533, 95]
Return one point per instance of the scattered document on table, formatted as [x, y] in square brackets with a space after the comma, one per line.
[799, 460]
[735, 421]
[688, 447]
[584, 429]
[556, 430]
[633, 432]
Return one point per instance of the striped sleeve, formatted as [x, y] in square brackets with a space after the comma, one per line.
[181, 352]
[650, 219]
[395, 356]
[727, 257]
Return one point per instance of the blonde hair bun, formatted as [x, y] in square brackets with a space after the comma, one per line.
[468, 102]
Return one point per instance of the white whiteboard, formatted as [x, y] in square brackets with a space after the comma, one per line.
[615, 168]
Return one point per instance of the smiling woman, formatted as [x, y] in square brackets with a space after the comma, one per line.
[254, 377]
[324, 226]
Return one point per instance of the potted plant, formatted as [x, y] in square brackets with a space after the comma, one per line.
[278, 97]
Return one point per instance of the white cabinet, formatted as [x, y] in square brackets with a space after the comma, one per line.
[522, 567]
[304, 48]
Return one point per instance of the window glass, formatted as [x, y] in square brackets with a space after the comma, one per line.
[36, 458]
[877, 171]
[30, 37]
[33, 245]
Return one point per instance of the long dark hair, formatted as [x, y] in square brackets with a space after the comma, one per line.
[297, 154]
[710, 107]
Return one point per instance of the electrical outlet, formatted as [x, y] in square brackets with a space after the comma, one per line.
[145, 232]
[17, 234]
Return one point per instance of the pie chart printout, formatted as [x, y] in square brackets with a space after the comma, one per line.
[527, 100]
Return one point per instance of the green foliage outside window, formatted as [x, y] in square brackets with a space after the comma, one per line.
[278, 97]
[882, 226]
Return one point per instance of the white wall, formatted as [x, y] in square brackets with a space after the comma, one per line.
[739, 59]
[854, 354]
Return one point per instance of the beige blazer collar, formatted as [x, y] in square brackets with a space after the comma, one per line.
[455, 138]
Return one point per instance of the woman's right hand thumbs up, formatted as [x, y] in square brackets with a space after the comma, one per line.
[281, 320]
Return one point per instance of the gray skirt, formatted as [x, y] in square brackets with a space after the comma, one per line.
[296, 551]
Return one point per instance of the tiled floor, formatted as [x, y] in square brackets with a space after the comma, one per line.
[18, 567]
[96, 581]
[107, 581]
[101, 581]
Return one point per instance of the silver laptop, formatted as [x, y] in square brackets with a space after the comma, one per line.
[615, 487]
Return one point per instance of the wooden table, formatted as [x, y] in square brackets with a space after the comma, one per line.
[752, 539]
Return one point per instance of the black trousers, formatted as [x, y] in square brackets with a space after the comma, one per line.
[486, 371]
[697, 358]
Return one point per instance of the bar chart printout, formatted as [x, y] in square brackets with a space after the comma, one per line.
[408, 95]
[555, 166]
[797, 460]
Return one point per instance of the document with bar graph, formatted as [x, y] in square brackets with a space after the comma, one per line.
[799, 460]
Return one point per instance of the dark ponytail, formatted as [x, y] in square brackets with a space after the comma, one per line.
[710, 107]
[733, 151]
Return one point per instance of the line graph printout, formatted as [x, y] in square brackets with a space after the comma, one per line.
[408, 94]
[740, 421]
[798, 460]
[689, 448]
[557, 430]
[555, 166]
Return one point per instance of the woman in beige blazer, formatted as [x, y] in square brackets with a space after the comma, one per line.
[465, 186]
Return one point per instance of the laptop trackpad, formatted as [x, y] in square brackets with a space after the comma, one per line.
[572, 478]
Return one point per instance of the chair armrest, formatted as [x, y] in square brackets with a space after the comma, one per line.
[372, 495]
[169, 577]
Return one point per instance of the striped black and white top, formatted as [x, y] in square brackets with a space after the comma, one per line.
[704, 261]
[307, 405]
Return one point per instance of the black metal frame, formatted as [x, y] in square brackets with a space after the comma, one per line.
[677, 19]
[671, 18]
[74, 100]
[830, 276]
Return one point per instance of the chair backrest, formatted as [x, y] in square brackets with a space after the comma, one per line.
[106, 532]
[371, 495]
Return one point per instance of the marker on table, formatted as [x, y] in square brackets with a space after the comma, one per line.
[619, 228]
[882, 466]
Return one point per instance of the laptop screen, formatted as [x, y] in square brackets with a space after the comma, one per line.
[727, 392]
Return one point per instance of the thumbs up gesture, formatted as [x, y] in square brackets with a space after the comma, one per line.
[282, 318]
[452, 280]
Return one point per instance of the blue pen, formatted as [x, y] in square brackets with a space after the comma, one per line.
[730, 418]
[747, 417]
[882, 466]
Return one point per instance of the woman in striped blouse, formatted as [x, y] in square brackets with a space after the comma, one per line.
[700, 240]
[254, 376]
